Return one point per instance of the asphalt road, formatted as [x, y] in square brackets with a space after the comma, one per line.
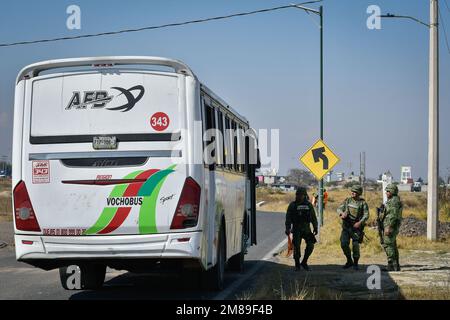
[20, 281]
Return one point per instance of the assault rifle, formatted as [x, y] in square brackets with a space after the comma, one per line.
[380, 225]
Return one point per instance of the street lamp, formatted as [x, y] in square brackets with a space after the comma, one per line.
[433, 118]
[390, 15]
[320, 14]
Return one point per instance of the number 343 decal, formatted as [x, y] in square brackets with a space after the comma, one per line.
[159, 121]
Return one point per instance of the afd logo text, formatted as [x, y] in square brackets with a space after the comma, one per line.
[99, 99]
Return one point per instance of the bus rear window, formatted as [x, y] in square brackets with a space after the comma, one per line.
[129, 104]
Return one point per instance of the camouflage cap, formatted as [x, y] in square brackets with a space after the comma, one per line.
[392, 188]
[357, 189]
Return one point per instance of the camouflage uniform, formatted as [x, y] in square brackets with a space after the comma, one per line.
[357, 210]
[391, 217]
[299, 215]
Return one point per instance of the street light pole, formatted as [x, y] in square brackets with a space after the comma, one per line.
[433, 120]
[321, 113]
[320, 14]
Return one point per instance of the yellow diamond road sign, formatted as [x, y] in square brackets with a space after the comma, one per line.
[319, 159]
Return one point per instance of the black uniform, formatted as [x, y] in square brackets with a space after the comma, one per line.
[299, 216]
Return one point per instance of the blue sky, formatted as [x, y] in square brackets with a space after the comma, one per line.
[267, 67]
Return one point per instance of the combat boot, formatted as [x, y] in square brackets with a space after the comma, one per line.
[305, 266]
[349, 263]
[390, 267]
[297, 265]
[355, 263]
[397, 266]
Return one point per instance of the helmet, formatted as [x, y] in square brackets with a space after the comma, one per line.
[301, 190]
[357, 189]
[392, 188]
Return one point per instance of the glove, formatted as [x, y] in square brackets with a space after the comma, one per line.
[387, 231]
[287, 232]
[343, 215]
[315, 232]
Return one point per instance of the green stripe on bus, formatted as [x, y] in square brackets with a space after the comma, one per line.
[147, 214]
[109, 212]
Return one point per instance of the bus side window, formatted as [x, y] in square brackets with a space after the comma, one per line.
[210, 123]
[228, 144]
[247, 153]
[220, 141]
[242, 149]
[235, 147]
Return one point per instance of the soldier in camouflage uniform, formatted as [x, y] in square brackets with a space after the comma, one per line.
[300, 214]
[354, 213]
[391, 217]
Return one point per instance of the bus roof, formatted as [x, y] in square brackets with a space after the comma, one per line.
[33, 70]
[180, 67]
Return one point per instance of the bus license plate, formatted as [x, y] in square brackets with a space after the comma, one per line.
[105, 143]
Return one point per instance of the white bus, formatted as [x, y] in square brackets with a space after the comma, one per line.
[109, 170]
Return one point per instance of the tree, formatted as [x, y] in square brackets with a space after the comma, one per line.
[351, 184]
[300, 177]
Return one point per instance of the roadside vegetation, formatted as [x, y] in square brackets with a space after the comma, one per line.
[5, 200]
[327, 257]
[415, 205]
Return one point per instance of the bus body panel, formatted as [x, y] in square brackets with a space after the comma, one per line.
[56, 118]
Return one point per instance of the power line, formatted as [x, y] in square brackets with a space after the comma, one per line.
[445, 31]
[157, 27]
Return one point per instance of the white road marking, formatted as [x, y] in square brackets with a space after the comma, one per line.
[225, 293]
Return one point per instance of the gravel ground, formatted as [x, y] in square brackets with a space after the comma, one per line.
[413, 227]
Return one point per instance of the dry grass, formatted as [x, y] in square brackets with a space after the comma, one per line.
[415, 205]
[276, 200]
[273, 284]
[432, 292]
[5, 197]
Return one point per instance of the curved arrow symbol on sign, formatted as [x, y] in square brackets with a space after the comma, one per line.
[318, 154]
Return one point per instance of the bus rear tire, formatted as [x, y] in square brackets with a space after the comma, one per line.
[91, 277]
[236, 262]
[213, 279]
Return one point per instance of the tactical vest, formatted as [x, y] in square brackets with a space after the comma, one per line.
[301, 215]
[355, 210]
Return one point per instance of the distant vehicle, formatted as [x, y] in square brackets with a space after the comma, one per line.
[109, 171]
[285, 187]
[416, 187]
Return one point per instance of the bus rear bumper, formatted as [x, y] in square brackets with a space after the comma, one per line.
[156, 246]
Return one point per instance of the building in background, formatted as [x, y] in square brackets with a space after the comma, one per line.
[340, 176]
[406, 175]
[352, 178]
[329, 177]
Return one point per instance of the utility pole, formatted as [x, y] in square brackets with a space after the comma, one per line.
[362, 170]
[433, 119]
[433, 126]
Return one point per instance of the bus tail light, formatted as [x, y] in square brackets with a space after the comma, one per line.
[23, 210]
[186, 214]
